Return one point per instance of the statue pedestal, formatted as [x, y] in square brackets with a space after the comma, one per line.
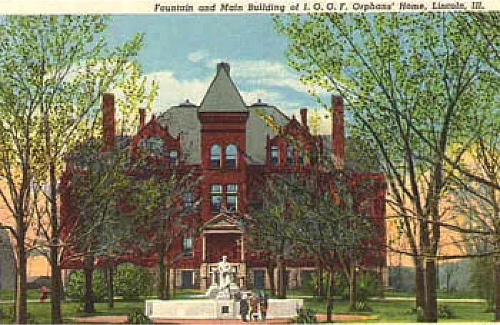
[212, 291]
[216, 309]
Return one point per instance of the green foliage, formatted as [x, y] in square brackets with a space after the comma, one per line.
[444, 311]
[76, 286]
[340, 283]
[482, 280]
[131, 282]
[368, 285]
[136, 316]
[306, 316]
[363, 306]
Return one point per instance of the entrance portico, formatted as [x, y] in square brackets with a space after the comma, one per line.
[221, 236]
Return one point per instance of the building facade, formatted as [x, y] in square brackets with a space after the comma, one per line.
[235, 147]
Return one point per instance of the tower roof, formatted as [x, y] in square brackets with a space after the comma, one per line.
[222, 94]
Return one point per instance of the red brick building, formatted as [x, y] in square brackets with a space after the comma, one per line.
[231, 145]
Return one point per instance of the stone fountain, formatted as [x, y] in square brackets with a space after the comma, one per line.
[222, 301]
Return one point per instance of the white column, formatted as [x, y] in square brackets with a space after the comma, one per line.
[204, 258]
[242, 248]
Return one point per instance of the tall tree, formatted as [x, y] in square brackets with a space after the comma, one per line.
[166, 216]
[56, 69]
[418, 90]
[95, 186]
[269, 229]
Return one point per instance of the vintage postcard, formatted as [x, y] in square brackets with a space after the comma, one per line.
[194, 162]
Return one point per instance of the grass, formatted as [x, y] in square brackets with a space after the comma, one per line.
[385, 311]
[399, 311]
[8, 294]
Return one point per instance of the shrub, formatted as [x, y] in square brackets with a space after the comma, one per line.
[444, 311]
[340, 283]
[368, 286]
[131, 282]
[76, 285]
[306, 316]
[363, 306]
[136, 316]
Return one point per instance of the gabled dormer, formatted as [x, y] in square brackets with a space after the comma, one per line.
[154, 142]
[293, 145]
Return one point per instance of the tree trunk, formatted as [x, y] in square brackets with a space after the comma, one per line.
[282, 280]
[167, 282]
[56, 279]
[21, 315]
[111, 288]
[352, 288]
[88, 305]
[174, 284]
[270, 273]
[497, 289]
[329, 296]
[161, 272]
[55, 286]
[321, 289]
[430, 313]
[419, 285]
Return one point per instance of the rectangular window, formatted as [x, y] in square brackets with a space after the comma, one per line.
[187, 246]
[232, 197]
[274, 156]
[188, 199]
[172, 158]
[300, 157]
[215, 197]
[290, 160]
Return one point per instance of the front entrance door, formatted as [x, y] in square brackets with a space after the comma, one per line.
[187, 279]
[258, 279]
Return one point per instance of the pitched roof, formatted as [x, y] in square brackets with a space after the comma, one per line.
[222, 95]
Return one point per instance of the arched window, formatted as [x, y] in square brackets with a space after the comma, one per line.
[275, 153]
[290, 159]
[231, 154]
[215, 156]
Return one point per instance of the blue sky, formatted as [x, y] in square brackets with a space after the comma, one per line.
[181, 52]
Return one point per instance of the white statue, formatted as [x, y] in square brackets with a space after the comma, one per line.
[224, 270]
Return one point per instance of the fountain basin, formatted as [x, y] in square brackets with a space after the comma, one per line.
[216, 308]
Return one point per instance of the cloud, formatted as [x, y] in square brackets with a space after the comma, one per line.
[197, 56]
[173, 91]
[264, 73]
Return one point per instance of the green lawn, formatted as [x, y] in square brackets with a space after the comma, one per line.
[399, 311]
[385, 311]
[8, 294]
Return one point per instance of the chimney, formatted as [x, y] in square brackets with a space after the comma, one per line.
[142, 117]
[338, 129]
[303, 116]
[108, 119]
[223, 65]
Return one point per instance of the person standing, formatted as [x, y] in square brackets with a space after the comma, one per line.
[244, 308]
[263, 306]
[254, 307]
